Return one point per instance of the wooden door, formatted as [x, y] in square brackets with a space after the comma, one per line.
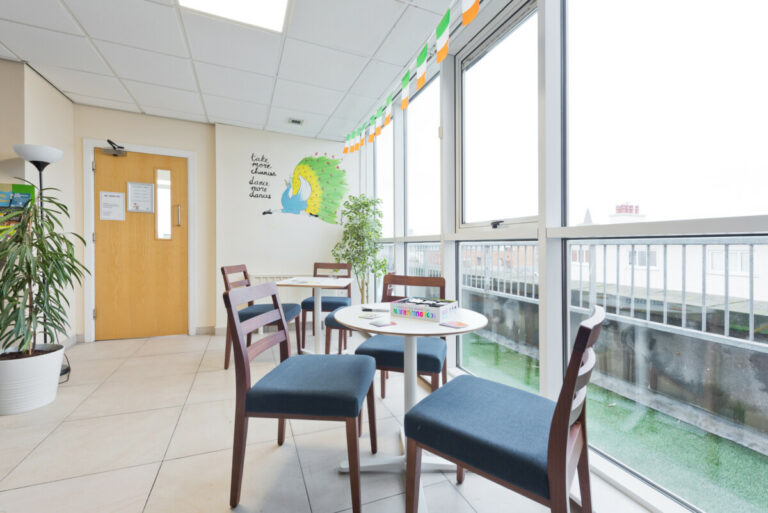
[141, 267]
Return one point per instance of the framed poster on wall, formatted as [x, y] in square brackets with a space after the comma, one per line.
[141, 197]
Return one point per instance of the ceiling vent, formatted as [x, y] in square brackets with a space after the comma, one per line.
[294, 121]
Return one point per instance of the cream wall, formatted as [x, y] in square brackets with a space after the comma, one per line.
[140, 129]
[11, 107]
[280, 243]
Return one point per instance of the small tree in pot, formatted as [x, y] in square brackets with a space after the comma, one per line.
[38, 267]
[359, 245]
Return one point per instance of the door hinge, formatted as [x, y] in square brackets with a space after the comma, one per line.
[94, 314]
[93, 166]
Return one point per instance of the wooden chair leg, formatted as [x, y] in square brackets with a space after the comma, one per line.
[586, 493]
[280, 431]
[327, 341]
[341, 336]
[346, 334]
[559, 501]
[372, 419]
[460, 474]
[228, 347]
[303, 328]
[412, 477]
[435, 382]
[383, 384]
[298, 335]
[360, 424]
[353, 453]
[445, 372]
[238, 456]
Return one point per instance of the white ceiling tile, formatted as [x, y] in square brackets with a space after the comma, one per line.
[355, 26]
[230, 44]
[235, 122]
[42, 47]
[86, 84]
[279, 122]
[148, 95]
[224, 108]
[144, 66]
[375, 79]
[101, 102]
[403, 42]
[167, 113]
[132, 22]
[5, 53]
[316, 65]
[296, 96]
[353, 108]
[436, 6]
[336, 129]
[234, 83]
[48, 14]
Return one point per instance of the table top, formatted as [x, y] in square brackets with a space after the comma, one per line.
[320, 282]
[350, 317]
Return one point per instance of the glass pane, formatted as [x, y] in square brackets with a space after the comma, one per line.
[423, 259]
[685, 407]
[500, 280]
[666, 110]
[163, 214]
[423, 162]
[501, 129]
[387, 252]
[385, 179]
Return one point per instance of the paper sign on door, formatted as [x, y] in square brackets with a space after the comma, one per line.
[112, 206]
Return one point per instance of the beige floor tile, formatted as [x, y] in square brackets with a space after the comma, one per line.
[213, 359]
[118, 491]
[219, 385]
[173, 344]
[17, 442]
[441, 498]
[119, 395]
[81, 447]
[144, 367]
[488, 497]
[84, 372]
[321, 453]
[104, 349]
[67, 399]
[272, 483]
[209, 426]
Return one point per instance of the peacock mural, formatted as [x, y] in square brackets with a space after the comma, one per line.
[317, 187]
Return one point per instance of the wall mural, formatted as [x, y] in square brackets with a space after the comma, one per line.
[317, 187]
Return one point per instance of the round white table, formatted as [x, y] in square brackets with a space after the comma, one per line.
[410, 330]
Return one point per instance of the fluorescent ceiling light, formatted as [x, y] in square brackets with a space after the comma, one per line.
[268, 14]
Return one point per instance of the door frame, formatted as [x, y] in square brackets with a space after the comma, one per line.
[89, 217]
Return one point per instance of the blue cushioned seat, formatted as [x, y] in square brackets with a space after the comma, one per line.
[328, 303]
[322, 385]
[290, 310]
[388, 350]
[331, 322]
[496, 428]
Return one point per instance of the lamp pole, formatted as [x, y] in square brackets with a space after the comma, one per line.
[40, 165]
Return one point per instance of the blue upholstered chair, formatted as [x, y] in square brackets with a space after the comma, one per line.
[329, 303]
[291, 310]
[519, 440]
[389, 351]
[332, 324]
[318, 387]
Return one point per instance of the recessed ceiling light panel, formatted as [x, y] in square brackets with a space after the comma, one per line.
[268, 14]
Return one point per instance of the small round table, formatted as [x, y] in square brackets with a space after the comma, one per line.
[410, 330]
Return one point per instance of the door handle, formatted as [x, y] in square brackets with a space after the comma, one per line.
[178, 214]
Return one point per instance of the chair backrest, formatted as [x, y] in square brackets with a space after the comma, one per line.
[231, 274]
[391, 279]
[327, 269]
[570, 411]
[239, 331]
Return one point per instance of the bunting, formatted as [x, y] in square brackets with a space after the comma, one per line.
[441, 36]
[371, 129]
[378, 121]
[421, 68]
[346, 145]
[404, 93]
[388, 110]
[469, 10]
[362, 135]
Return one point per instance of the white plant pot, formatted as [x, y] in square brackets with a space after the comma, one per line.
[29, 383]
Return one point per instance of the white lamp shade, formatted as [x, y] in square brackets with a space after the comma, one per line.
[38, 153]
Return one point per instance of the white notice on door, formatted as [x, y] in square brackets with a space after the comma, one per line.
[112, 206]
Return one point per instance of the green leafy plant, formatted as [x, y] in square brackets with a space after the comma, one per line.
[38, 267]
[359, 245]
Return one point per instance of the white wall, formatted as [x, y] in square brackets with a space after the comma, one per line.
[11, 107]
[279, 243]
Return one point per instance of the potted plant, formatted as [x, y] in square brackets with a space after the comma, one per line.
[37, 267]
[359, 245]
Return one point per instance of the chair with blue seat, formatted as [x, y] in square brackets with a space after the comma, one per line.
[328, 303]
[389, 351]
[291, 310]
[332, 324]
[520, 440]
[316, 387]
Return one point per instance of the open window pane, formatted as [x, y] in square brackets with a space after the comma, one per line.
[385, 179]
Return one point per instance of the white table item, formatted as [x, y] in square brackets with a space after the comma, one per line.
[317, 284]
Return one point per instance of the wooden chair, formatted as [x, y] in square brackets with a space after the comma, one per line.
[332, 324]
[329, 303]
[316, 387]
[389, 350]
[291, 310]
[519, 440]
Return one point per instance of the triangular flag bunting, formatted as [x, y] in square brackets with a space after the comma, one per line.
[372, 129]
[388, 111]
[362, 135]
[346, 145]
[406, 83]
[469, 10]
[421, 68]
[357, 140]
[441, 36]
[378, 121]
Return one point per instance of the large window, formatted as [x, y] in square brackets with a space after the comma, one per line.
[384, 170]
[666, 110]
[422, 172]
[500, 128]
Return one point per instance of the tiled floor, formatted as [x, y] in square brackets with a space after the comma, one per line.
[146, 425]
